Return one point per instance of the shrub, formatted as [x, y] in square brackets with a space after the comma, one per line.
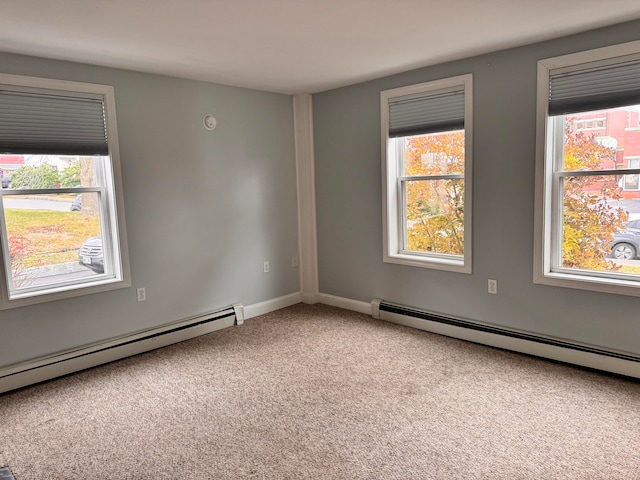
[43, 176]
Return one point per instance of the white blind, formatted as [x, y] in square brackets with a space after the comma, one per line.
[597, 88]
[440, 112]
[46, 123]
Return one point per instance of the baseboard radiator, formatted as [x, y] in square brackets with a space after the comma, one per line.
[519, 341]
[63, 363]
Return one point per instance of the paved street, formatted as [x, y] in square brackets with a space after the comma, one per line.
[37, 204]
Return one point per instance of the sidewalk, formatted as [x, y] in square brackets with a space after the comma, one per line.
[66, 271]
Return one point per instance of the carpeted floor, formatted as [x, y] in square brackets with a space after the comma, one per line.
[315, 392]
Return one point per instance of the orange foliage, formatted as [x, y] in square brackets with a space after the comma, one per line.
[435, 208]
[589, 222]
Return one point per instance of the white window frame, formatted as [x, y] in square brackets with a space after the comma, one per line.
[548, 214]
[394, 229]
[111, 205]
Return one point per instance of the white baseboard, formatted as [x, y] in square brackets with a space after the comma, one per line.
[346, 303]
[310, 299]
[63, 363]
[272, 305]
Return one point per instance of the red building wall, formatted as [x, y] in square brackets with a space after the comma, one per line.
[623, 125]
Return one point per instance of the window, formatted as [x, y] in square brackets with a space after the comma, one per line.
[587, 193]
[61, 218]
[426, 136]
[589, 124]
[631, 182]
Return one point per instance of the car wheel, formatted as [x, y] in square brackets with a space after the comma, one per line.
[624, 251]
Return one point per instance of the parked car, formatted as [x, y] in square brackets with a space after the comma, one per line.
[76, 205]
[6, 180]
[91, 254]
[626, 243]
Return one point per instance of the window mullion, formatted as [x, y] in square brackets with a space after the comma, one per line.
[598, 173]
[51, 191]
[6, 259]
[450, 176]
[557, 205]
[402, 217]
[401, 226]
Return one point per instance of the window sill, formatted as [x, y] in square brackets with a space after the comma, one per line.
[59, 293]
[590, 283]
[437, 263]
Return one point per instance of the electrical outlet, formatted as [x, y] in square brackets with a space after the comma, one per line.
[142, 294]
[294, 261]
[492, 286]
[266, 267]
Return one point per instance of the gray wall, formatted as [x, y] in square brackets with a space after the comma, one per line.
[203, 209]
[349, 204]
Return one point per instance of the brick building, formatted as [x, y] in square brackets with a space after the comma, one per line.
[618, 128]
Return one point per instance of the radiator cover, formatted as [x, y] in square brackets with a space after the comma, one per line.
[520, 341]
[63, 363]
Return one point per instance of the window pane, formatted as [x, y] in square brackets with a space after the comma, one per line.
[434, 154]
[434, 216]
[48, 171]
[606, 144]
[597, 233]
[45, 234]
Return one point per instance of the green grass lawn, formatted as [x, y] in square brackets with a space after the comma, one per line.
[47, 237]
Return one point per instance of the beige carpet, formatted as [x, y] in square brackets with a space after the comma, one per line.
[315, 392]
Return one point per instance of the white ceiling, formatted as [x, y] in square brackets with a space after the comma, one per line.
[289, 46]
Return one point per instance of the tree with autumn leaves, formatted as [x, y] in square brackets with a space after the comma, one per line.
[589, 222]
[435, 208]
